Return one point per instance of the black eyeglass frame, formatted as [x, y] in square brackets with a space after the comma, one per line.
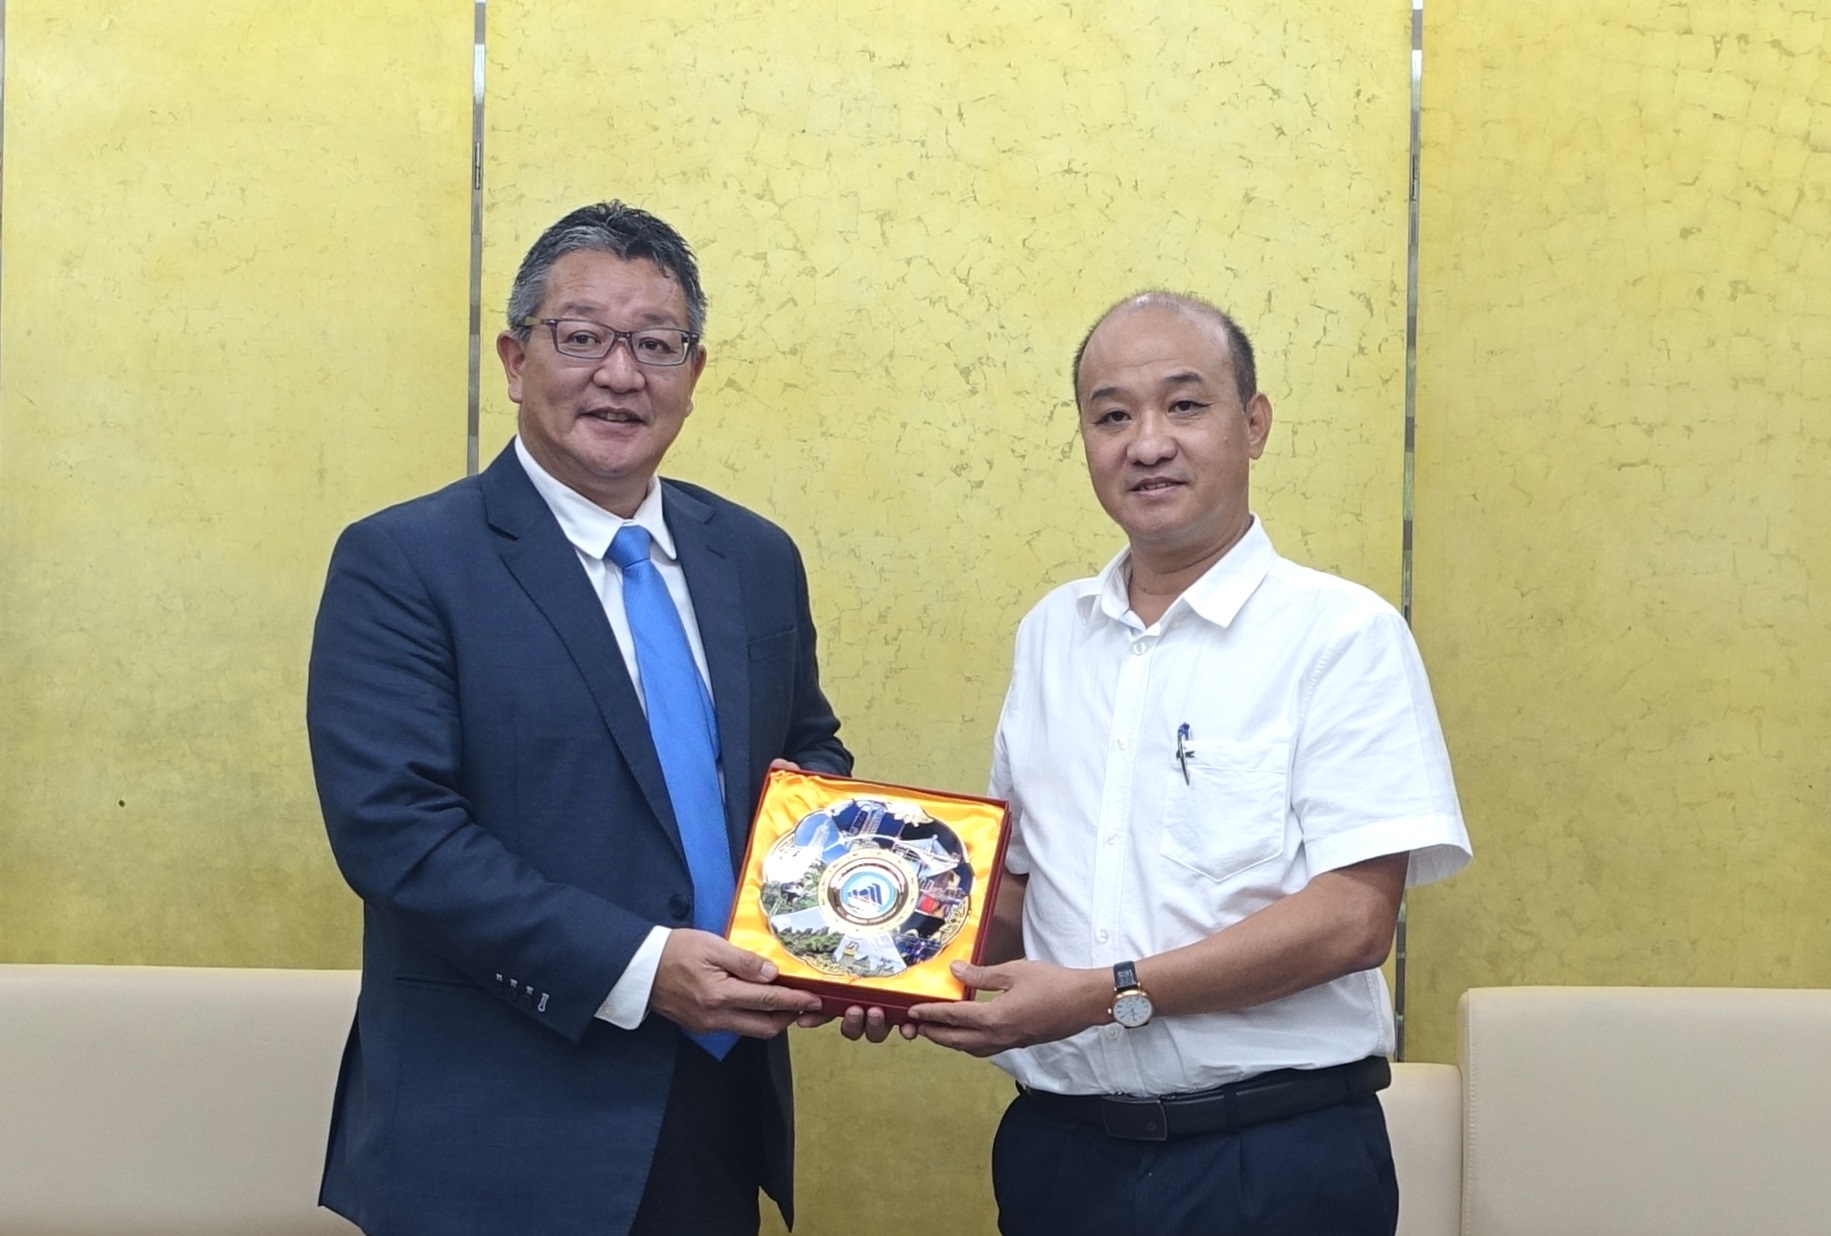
[688, 341]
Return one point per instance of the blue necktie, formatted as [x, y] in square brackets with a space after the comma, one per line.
[681, 721]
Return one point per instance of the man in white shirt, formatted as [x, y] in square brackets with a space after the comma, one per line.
[1223, 768]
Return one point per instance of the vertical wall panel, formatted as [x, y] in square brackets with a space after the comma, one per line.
[907, 215]
[234, 298]
[1624, 527]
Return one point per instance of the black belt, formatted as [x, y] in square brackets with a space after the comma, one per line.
[1277, 1095]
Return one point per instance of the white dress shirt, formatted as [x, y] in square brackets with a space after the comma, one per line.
[591, 528]
[1310, 743]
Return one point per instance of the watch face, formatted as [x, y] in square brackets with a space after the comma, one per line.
[1132, 1009]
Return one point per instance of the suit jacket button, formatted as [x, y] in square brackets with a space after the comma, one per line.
[680, 905]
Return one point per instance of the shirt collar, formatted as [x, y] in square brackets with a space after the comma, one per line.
[586, 524]
[1217, 596]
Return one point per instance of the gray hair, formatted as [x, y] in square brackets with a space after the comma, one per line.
[1239, 347]
[614, 228]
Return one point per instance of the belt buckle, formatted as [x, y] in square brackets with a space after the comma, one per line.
[1139, 1120]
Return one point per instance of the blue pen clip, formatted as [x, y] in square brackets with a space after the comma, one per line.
[1182, 750]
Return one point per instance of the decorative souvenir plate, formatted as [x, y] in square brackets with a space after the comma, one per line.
[866, 893]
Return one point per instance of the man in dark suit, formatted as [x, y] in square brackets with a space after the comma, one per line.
[552, 1038]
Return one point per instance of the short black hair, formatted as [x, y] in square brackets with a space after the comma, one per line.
[1239, 347]
[607, 227]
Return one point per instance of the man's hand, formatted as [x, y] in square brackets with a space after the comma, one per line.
[704, 983]
[858, 1022]
[1037, 1003]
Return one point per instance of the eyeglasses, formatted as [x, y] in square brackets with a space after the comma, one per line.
[583, 339]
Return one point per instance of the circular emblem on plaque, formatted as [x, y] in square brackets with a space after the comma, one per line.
[866, 887]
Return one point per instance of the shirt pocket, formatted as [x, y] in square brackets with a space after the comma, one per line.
[1228, 817]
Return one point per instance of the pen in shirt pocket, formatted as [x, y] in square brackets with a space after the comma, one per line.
[1182, 750]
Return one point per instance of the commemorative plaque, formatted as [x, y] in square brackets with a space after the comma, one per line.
[866, 893]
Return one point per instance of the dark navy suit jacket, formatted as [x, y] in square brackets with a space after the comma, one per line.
[491, 791]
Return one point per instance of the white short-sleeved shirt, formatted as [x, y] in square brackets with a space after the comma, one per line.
[1311, 743]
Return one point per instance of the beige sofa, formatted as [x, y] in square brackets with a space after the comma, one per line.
[140, 1101]
[1621, 1111]
[147, 1101]
[1646, 1111]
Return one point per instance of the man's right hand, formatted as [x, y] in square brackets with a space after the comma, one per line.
[705, 983]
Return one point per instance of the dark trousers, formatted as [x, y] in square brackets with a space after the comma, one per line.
[1325, 1173]
[708, 1164]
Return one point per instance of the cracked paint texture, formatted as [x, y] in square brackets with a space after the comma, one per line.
[233, 322]
[1623, 521]
[906, 218]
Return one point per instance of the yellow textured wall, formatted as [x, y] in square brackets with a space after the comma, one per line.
[906, 216]
[234, 317]
[1623, 520]
[234, 305]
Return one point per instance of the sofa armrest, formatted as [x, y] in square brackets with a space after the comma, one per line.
[1424, 1120]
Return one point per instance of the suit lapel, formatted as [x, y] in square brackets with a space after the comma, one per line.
[718, 606]
[546, 566]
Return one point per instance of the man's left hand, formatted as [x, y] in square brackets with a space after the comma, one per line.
[859, 1022]
[1036, 1003]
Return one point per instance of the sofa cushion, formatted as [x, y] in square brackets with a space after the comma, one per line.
[1646, 1111]
[141, 1100]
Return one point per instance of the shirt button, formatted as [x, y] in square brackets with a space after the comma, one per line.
[1140, 648]
[1121, 744]
[1112, 839]
[1102, 936]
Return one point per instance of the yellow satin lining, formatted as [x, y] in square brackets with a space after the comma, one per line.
[788, 797]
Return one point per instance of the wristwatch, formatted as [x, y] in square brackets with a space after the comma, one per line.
[1131, 1007]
